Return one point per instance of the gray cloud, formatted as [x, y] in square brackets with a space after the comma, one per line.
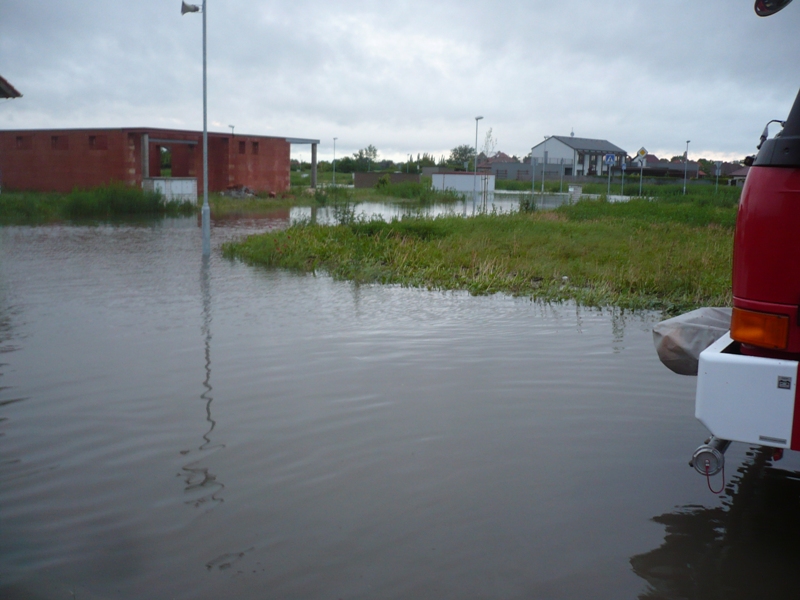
[410, 77]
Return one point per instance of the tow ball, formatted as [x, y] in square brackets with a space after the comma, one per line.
[709, 458]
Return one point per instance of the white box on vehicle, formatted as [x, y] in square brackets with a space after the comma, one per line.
[746, 398]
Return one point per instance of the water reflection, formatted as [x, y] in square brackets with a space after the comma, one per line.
[199, 479]
[279, 218]
[380, 442]
[746, 548]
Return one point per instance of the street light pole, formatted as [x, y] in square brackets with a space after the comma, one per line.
[685, 165]
[475, 166]
[544, 164]
[334, 161]
[206, 212]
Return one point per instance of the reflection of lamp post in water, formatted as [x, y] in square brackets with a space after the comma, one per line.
[199, 477]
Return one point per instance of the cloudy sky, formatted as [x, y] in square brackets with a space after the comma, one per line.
[410, 76]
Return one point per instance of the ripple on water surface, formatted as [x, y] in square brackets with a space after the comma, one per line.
[183, 428]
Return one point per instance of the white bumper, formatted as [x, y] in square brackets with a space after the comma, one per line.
[746, 398]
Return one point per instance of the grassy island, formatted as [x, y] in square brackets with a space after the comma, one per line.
[669, 254]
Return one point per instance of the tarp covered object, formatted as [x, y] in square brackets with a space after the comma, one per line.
[680, 340]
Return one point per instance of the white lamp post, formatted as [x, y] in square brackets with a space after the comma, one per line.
[475, 166]
[544, 164]
[206, 212]
[685, 165]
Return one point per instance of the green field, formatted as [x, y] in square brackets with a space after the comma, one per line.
[663, 254]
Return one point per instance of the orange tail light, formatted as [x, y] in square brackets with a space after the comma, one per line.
[760, 329]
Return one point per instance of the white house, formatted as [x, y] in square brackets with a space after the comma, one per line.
[581, 156]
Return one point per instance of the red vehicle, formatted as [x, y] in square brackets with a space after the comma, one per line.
[747, 387]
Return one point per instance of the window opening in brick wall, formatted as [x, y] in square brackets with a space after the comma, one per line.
[255, 148]
[24, 142]
[59, 142]
[241, 147]
[98, 142]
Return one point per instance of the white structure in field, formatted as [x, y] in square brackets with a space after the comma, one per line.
[173, 189]
[464, 183]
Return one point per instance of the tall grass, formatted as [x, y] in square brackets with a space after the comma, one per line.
[420, 192]
[332, 195]
[695, 212]
[118, 199]
[112, 200]
[22, 207]
[665, 190]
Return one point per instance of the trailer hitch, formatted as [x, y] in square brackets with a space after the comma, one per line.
[709, 459]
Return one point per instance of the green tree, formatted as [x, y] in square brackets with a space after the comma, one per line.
[489, 144]
[426, 160]
[365, 157]
[460, 155]
[346, 165]
[708, 167]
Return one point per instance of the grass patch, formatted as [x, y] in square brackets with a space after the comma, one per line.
[655, 255]
[695, 213]
[112, 200]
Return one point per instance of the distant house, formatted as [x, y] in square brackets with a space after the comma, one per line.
[653, 167]
[580, 156]
[485, 164]
[518, 171]
[739, 176]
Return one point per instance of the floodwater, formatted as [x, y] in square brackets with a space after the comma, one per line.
[495, 202]
[174, 427]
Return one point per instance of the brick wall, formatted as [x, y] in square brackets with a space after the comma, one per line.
[368, 180]
[61, 160]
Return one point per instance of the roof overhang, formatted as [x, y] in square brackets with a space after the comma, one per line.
[7, 90]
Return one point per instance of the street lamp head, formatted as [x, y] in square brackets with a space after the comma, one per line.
[187, 8]
[478, 118]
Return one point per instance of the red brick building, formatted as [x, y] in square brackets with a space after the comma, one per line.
[60, 160]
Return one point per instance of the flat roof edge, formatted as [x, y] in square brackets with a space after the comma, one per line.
[290, 140]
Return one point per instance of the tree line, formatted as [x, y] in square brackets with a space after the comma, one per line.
[368, 159]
